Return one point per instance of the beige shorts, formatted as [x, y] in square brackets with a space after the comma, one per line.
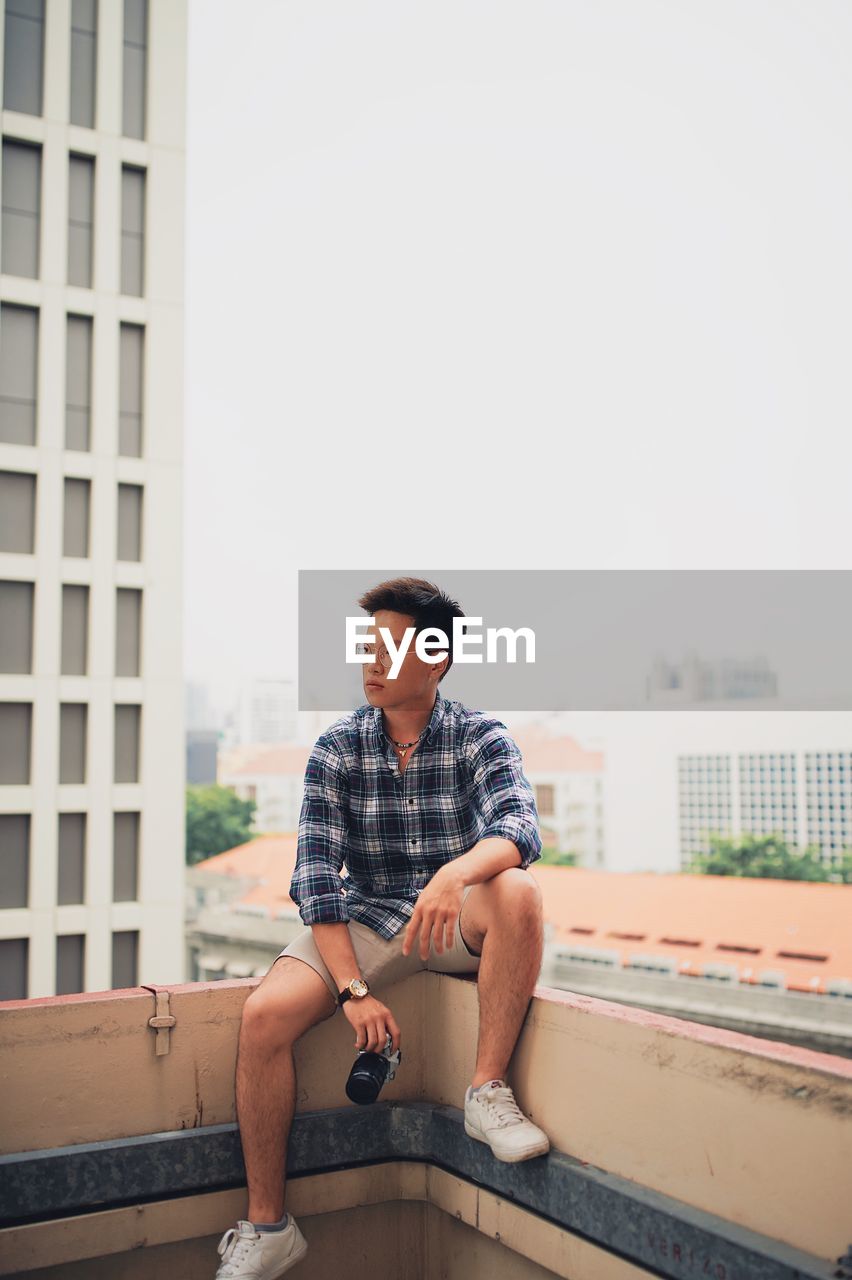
[381, 960]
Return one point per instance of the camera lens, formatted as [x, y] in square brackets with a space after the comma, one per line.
[368, 1074]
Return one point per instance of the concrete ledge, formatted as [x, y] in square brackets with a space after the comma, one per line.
[753, 1133]
[465, 1231]
[613, 1213]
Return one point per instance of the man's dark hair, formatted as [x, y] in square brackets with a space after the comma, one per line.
[420, 600]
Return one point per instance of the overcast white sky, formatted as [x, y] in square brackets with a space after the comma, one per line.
[524, 285]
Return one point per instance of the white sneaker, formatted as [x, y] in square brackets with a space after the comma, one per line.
[492, 1115]
[248, 1254]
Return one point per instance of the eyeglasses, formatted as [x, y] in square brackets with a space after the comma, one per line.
[384, 657]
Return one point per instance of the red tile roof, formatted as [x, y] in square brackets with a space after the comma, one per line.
[545, 753]
[270, 859]
[706, 919]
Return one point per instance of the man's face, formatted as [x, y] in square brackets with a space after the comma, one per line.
[415, 679]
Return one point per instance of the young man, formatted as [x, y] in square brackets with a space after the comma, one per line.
[427, 804]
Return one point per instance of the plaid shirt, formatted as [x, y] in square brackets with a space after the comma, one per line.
[393, 830]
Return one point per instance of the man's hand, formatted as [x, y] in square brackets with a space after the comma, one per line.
[435, 911]
[373, 1022]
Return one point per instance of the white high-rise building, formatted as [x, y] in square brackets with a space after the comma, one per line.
[91, 456]
[803, 796]
[672, 776]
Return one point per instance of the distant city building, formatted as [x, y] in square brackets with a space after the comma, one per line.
[568, 782]
[202, 748]
[267, 712]
[273, 777]
[91, 457]
[806, 796]
[200, 712]
[239, 913]
[203, 735]
[697, 679]
[766, 957]
[670, 777]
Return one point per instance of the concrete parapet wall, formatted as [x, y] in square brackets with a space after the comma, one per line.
[755, 1132]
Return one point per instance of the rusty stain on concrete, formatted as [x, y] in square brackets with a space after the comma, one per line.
[813, 1095]
[199, 1105]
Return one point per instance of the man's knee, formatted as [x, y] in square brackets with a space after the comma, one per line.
[516, 885]
[278, 1011]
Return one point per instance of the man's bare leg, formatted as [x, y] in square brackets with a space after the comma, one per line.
[290, 1000]
[502, 920]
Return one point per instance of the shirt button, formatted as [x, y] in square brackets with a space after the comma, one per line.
[411, 802]
[414, 842]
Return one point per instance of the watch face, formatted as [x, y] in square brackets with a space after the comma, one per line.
[358, 987]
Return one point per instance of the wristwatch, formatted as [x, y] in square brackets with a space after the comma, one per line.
[357, 989]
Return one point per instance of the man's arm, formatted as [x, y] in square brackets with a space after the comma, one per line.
[486, 859]
[510, 838]
[316, 886]
[334, 943]
[505, 799]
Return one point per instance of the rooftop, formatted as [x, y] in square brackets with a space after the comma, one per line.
[754, 925]
[678, 1150]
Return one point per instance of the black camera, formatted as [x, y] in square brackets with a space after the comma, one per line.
[370, 1071]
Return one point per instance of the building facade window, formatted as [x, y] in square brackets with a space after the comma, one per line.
[545, 800]
[81, 220]
[17, 512]
[15, 862]
[73, 726]
[23, 56]
[125, 959]
[84, 62]
[78, 383]
[135, 68]
[131, 374]
[125, 863]
[71, 870]
[128, 631]
[75, 629]
[16, 723]
[126, 746]
[18, 374]
[21, 230]
[70, 963]
[75, 533]
[14, 964]
[129, 530]
[132, 230]
[16, 633]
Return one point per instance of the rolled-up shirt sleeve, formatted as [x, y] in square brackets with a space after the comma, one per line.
[502, 791]
[316, 886]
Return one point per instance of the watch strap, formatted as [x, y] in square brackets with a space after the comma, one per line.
[346, 993]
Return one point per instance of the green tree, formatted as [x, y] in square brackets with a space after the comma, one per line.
[216, 820]
[553, 858]
[768, 857]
